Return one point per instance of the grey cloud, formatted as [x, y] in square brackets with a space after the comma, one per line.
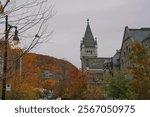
[107, 19]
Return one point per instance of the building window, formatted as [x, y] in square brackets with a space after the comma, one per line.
[126, 48]
[47, 74]
[91, 51]
[125, 55]
[129, 50]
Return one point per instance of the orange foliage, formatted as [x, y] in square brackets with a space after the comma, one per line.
[49, 84]
[26, 79]
[75, 85]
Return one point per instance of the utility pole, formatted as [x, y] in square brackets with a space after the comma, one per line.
[5, 59]
[5, 56]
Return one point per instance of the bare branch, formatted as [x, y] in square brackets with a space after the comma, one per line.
[32, 18]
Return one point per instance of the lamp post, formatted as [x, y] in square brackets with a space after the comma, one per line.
[7, 29]
[109, 66]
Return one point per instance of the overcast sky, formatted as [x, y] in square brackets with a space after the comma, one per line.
[107, 20]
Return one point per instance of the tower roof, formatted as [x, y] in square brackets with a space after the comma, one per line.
[88, 39]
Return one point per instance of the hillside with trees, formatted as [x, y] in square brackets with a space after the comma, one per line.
[38, 73]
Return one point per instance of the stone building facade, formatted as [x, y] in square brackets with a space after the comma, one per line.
[96, 67]
[141, 35]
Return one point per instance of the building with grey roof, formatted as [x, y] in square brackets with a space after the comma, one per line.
[141, 35]
[96, 66]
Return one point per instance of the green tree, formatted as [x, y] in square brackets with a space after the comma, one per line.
[117, 87]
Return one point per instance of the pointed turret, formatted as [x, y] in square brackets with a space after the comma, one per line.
[88, 39]
[88, 45]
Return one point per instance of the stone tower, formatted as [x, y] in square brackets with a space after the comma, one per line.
[88, 47]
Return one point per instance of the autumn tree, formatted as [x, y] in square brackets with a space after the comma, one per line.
[22, 89]
[74, 86]
[25, 84]
[94, 93]
[94, 90]
[140, 70]
[31, 19]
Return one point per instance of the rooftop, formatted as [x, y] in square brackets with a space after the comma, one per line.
[88, 39]
[139, 34]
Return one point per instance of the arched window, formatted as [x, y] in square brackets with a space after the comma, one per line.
[125, 55]
[129, 50]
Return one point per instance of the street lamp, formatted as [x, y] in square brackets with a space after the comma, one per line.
[16, 39]
[108, 65]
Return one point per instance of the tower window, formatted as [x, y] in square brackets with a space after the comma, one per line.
[91, 51]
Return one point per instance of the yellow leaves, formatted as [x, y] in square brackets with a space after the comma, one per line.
[49, 84]
[140, 57]
[26, 81]
[94, 93]
[17, 50]
[140, 84]
[28, 91]
[1, 8]
[21, 88]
